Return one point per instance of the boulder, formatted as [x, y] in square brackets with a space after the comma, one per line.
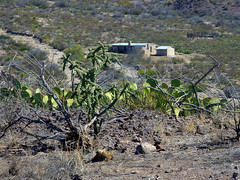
[145, 148]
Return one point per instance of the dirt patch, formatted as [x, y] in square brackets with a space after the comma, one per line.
[185, 58]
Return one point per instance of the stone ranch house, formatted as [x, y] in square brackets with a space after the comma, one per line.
[165, 51]
[149, 49]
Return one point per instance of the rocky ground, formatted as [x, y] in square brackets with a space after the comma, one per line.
[187, 148]
[190, 148]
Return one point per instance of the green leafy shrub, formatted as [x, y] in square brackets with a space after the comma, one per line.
[183, 50]
[125, 2]
[4, 37]
[76, 52]
[150, 72]
[46, 38]
[24, 48]
[167, 98]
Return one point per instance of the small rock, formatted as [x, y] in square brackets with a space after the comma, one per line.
[200, 129]
[211, 176]
[136, 139]
[217, 123]
[103, 155]
[235, 153]
[235, 175]
[148, 156]
[134, 172]
[146, 117]
[203, 146]
[160, 147]
[168, 171]
[145, 148]
[157, 139]
[184, 173]
[167, 133]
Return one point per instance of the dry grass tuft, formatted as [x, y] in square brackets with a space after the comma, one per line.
[55, 165]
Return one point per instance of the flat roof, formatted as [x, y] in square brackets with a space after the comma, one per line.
[127, 44]
[163, 47]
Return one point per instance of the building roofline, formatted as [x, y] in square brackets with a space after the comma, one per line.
[127, 44]
[163, 47]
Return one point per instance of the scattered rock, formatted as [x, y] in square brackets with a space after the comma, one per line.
[148, 156]
[160, 147]
[145, 148]
[146, 117]
[103, 155]
[136, 139]
[235, 153]
[167, 133]
[212, 176]
[216, 139]
[235, 175]
[201, 129]
[134, 172]
[157, 139]
[203, 146]
[168, 171]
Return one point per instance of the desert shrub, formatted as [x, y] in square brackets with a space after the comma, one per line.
[76, 52]
[144, 16]
[155, 12]
[38, 54]
[59, 44]
[5, 59]
[183, 50]
[22, 3]
[24, 47]
[150, 72]
[4, 37]
[212, 1]
[90, 7]
[52, 66]
[125, 2]
[140, 6]
[61, 4]
[40, 3]
[5, 41]
[46, 38]
[4, 2]
[117, 14]
[196, 20]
